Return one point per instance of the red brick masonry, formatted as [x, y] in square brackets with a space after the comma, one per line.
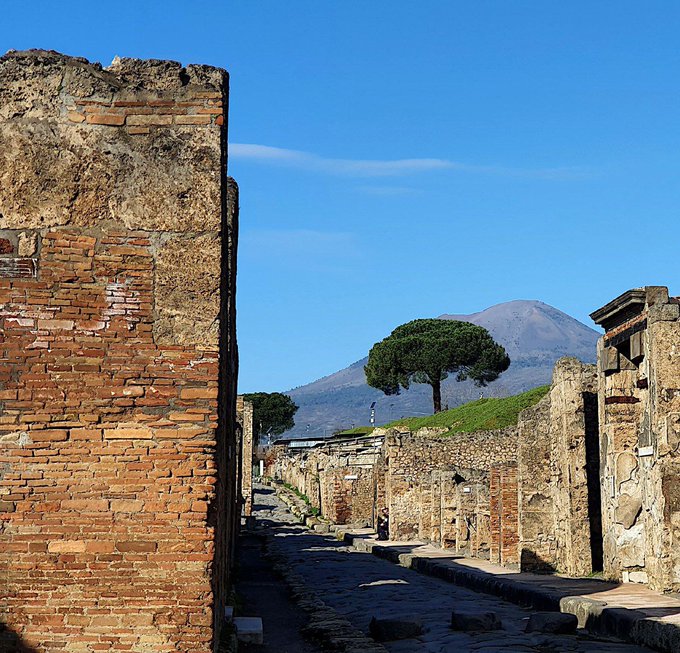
[106, 456]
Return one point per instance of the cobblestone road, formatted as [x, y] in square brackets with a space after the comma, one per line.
[359, 586]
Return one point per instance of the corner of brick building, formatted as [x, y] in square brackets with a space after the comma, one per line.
[118, 236]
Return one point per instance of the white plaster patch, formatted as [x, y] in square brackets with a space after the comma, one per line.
[20, 438]
[630, 546]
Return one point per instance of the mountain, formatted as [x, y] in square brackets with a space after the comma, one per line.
[534, 334]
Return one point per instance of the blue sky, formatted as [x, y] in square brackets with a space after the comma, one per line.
[401, 159]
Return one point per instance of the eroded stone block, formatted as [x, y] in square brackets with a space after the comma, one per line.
[555, 623]
[388, 630]
[631, 546]
[475, 621]
[628, 510]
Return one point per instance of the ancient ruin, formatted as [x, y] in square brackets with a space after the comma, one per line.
[639, 407]
[118, 233]
[586, 481]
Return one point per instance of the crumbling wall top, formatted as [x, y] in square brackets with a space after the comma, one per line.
[141, 144]
[136, 147]
[33, 82]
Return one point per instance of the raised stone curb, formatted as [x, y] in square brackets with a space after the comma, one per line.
[624, 623]
[297, 506]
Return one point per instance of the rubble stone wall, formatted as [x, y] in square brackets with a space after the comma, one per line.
[301, 470]
[411, 460]
[558, 477]
[117, 339]
[575, 468]
[454, 511]
[536, 500]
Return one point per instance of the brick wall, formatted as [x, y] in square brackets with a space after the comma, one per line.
[503, 511]
[117, 338]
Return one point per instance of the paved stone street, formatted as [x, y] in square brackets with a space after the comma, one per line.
[265, 595]
[360, 586]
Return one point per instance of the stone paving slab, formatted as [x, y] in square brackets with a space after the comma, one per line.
[358, 586]
[627, 611]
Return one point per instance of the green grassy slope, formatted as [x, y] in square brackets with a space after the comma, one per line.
[480, 415]
[359, 430]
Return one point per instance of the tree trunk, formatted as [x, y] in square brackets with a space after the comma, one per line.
[437, 396]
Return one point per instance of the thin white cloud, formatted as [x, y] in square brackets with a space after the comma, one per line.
[383, 168]
[349, 167]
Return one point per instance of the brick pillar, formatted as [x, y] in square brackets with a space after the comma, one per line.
[503, 518]
[509, 522]
[495, 514]
[117, 338]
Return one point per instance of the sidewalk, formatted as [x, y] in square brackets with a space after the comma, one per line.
[630, 612]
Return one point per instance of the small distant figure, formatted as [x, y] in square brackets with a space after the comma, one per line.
[384, 525]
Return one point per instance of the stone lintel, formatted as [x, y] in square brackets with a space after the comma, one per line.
[628, 305]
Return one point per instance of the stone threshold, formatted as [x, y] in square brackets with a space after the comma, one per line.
[628, 612]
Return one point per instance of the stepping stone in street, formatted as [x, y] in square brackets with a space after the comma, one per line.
[249, 629]
[555, 623]
[475, 621]
[388, 630]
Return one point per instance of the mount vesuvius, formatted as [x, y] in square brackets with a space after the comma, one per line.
[534, 334]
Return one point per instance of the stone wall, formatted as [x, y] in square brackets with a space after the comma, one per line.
[454, 511]
[558, 475]
[536, 500]
[527, 495]
[117, 467]
[342, 478]
[639, 406]
[575, 468]
[348, 495]
[301, 470]
[412, 459]
[244, 412]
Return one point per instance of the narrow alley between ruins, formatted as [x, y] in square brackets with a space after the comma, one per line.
[342, 589]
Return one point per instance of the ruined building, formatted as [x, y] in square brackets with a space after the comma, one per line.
[499, 494]
[639, 403]
[118, 233]
[586, 481]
